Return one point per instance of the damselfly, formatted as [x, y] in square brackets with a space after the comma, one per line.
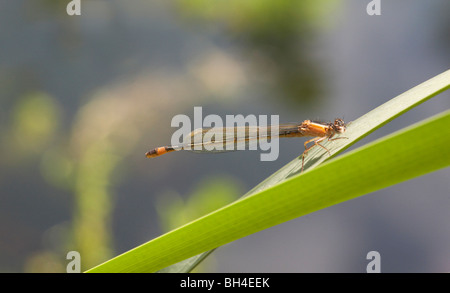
[244, 136]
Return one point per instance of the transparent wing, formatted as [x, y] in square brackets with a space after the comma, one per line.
[226, 139]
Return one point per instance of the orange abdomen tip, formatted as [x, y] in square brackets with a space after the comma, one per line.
[158, 152]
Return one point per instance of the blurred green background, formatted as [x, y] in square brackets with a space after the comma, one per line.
[82, 98]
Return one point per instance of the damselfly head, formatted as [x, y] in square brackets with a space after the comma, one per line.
[339, 125]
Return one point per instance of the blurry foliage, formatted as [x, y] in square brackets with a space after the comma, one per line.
[33, 124]
[210, 194]
[53, 6]
[45, 262]
[56, 242]
[57, 167]
[275, 35]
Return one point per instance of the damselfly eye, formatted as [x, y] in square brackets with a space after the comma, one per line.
[339, 125]
[339, 122]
